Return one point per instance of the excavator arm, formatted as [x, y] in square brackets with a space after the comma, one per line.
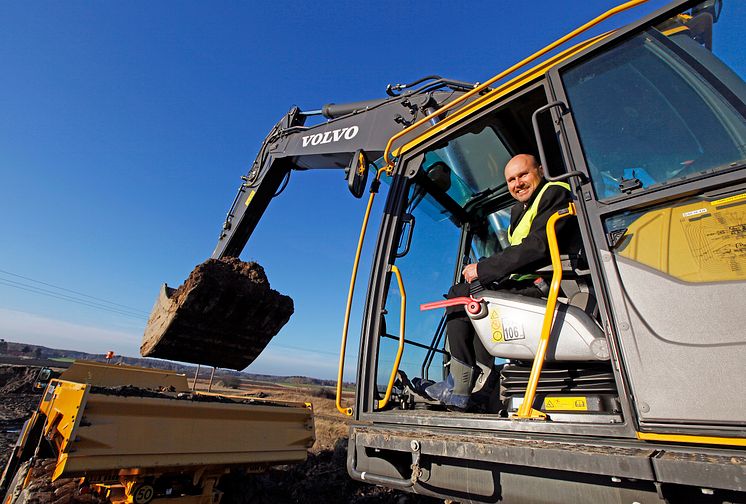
[225, 314]
[359, 126]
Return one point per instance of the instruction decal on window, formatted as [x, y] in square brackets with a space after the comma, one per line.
[695, 213]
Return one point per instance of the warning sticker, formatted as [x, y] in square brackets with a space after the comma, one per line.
[730, 199]
[496, 325]
[565, 404]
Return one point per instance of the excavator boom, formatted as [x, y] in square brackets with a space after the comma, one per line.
[366, 126]
[225, 314]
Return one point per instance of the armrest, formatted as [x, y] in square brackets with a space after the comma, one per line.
[572, 265]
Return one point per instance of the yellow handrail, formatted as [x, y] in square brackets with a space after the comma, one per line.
[526, 409]
[402, 319]
[350, 293]
[590, 24]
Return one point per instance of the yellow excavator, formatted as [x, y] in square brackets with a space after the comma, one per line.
[623, 384]
[633, 397]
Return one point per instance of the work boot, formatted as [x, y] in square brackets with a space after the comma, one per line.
[420, 385]
[454, 391]
[484, 393]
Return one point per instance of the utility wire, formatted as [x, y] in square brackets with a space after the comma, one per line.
[45, 292]
[40, 290]
[313, 350]
[129, 308]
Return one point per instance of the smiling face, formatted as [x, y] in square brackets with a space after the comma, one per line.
[523, 175]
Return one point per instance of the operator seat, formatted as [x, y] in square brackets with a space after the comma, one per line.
[575, 288]
[510, 327]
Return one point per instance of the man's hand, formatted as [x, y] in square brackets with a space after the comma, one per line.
[470, 272]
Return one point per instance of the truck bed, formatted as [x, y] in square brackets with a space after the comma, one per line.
[103, 429]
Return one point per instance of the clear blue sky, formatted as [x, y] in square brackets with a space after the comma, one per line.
[125, 126]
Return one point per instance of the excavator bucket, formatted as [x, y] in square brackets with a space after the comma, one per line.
[224, 315]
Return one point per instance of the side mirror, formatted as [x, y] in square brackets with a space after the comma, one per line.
[357, 173]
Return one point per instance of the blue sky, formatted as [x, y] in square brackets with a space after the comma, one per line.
[124, 129]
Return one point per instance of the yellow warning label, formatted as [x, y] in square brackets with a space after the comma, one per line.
[565, 404]
[251, 196]
[731, 199]
[496, 324]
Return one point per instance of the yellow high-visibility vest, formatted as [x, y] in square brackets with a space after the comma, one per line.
[517, 235]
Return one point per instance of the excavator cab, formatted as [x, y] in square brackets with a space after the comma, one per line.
[457, 211]
[621, 383]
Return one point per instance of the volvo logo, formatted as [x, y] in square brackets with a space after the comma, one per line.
[331, 136]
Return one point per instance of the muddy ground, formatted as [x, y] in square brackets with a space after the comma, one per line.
[17, 401]
[321, 478]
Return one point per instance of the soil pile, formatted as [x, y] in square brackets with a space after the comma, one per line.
[17, 379]
[41, 489]
[17, 402]
[224, 315]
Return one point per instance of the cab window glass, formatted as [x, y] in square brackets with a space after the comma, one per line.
[427, 271]
[476, 160]
[491, 236]
[662, 106]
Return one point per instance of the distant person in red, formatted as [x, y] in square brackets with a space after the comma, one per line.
[536, 200]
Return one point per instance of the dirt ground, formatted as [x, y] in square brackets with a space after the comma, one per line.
[17, 402]
[321, 478]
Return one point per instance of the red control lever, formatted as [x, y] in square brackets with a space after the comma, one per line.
[472, 306]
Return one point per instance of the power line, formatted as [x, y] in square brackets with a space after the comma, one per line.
[129, 308]
[45, 292]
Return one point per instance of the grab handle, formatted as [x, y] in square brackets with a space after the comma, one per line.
[350, 293]
[400, 350]
[526, 410]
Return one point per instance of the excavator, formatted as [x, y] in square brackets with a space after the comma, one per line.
[622, 383]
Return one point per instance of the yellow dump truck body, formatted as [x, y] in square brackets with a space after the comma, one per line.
[96, 430]
[123, 427]
[106, 375]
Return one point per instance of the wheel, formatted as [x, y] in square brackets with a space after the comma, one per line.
[16, 484]
[143, 493]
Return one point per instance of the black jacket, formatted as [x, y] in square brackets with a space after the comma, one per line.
[533, 252]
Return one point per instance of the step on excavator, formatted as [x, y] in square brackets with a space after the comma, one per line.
[623, 383]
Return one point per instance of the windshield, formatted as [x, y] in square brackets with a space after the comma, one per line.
[662, 106]
[476, 162]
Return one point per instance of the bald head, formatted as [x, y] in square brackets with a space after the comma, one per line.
[523, 174]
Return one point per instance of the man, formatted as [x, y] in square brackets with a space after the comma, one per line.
[536, 201]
